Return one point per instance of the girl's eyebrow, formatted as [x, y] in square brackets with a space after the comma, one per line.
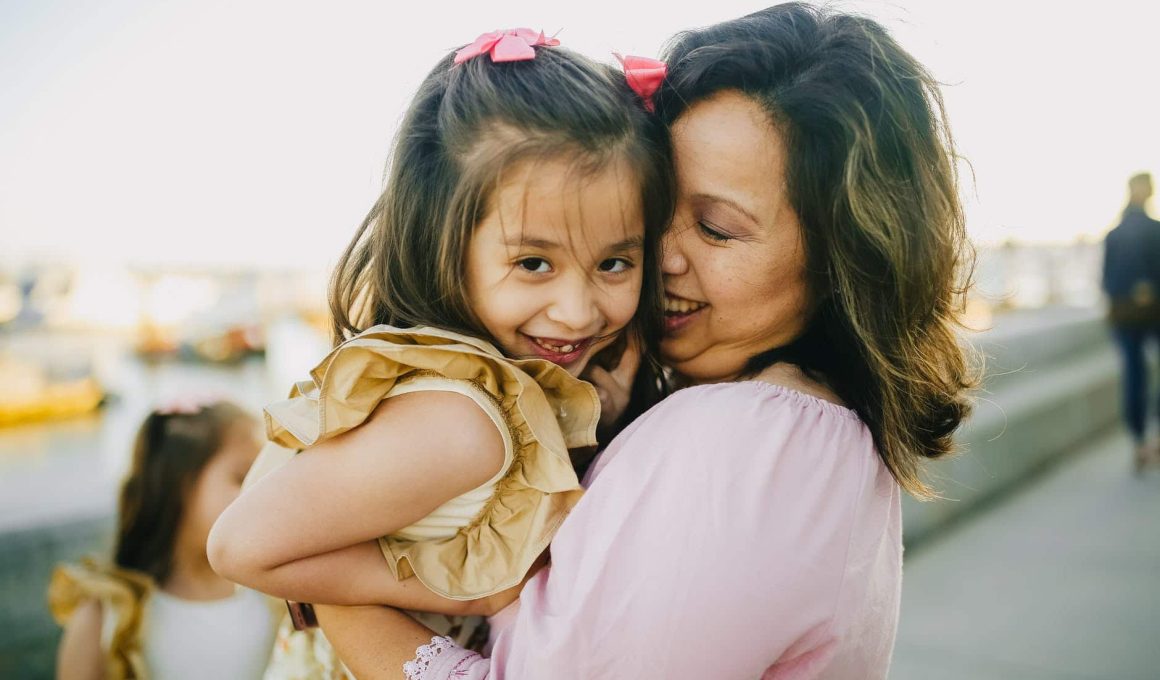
[630, 243]
[539, 243]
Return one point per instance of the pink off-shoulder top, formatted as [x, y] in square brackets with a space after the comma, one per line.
[739, 530]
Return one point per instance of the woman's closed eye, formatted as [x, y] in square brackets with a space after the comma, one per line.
[712, 233]
[534, 265]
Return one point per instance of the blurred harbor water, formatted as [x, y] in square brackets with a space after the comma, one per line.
[57, 470]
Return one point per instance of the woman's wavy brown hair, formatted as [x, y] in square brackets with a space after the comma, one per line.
[872, 176]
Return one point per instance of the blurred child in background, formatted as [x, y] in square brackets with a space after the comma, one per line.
[159, 610]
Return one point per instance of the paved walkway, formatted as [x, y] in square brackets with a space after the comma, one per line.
[1060, 581]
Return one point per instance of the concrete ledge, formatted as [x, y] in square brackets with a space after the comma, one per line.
[1052, 384]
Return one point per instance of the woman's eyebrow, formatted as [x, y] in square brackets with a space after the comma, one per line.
[714, 198]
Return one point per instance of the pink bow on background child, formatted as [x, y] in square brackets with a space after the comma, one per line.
[513, 44]
[644, 76]
[188, 404]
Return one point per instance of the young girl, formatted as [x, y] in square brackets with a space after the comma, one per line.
[515, 239]
[159, 611]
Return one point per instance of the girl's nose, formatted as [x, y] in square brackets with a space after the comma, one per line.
[576, 309]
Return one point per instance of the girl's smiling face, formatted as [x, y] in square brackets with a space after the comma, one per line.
[554, 269]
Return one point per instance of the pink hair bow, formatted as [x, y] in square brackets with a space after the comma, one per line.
[187, 405]
[513, 44]
[644, 76]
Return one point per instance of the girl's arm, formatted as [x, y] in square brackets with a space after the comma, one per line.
[297, 530]
[79, 656]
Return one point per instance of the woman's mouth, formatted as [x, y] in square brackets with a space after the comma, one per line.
[680, 311]
[559, 351]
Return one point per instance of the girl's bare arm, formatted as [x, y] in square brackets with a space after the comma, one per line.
[416, 452]
[79, 656]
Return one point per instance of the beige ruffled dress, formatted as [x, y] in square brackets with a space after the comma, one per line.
[485, 540]
[122, 594]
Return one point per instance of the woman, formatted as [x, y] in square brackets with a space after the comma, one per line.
[749, 525]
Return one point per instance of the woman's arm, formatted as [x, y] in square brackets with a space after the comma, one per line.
[79, 656]
[415, 452]
[357, 635]
[358, 575]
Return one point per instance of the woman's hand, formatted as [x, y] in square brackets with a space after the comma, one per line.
[612, 377]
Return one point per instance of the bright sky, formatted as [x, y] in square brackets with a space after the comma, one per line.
[254, 133]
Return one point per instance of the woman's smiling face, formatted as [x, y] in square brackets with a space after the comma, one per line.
[734, 258]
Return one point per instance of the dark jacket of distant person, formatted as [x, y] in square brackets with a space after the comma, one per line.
[1132, 260]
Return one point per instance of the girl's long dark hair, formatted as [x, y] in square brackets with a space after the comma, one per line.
[872, 176]
[466, 126]
[169, 454]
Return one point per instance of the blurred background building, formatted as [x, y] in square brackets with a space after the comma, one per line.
[177, 178]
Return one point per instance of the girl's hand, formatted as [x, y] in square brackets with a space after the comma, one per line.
[613, 381]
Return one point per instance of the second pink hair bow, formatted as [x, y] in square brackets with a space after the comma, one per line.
[513, 44]
[644, 76]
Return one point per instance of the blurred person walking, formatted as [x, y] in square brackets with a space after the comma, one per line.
[159, 611]
[1132, 282]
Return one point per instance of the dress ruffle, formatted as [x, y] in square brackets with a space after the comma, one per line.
[122, 596]
[546, 409]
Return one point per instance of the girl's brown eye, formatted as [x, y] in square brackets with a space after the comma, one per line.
[615, 265]
[536, 265]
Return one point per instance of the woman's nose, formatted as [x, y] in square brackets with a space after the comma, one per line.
[673, 262]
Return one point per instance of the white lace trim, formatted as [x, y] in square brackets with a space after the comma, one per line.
[417, 667]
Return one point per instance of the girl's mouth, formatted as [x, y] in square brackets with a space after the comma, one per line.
[558, 351]
[679, 312]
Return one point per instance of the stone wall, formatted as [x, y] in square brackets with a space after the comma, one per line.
[1052, 383]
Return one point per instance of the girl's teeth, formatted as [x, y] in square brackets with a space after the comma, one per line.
[562, 349]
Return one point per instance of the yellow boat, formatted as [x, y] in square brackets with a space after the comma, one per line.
[29, 396]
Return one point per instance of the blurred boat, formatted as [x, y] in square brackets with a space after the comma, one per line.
[30, 395]
[218, 346]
